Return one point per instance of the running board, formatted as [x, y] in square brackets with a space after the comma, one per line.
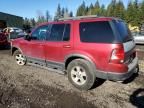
[47, 68]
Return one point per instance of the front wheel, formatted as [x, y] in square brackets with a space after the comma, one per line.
[19, 58]
[81, 74]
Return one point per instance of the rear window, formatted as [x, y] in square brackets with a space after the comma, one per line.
[100, 32]
[123, 30]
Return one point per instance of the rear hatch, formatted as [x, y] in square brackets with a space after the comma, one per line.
[125, 36]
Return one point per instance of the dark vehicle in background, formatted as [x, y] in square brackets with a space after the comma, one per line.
[1, 30]
[13, 33]
[85, 48]
[3, 40]
[9, 33]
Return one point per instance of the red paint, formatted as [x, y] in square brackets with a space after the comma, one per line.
[99, 53]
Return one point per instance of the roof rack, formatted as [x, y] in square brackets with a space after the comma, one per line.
[78, 17]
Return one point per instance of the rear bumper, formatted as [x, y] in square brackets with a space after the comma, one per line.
[132, 68]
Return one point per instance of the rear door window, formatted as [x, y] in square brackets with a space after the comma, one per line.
[66, 35]
[59, 32]
[96, 32]
[56, 32]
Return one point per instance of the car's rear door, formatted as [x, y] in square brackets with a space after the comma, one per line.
[57, 44]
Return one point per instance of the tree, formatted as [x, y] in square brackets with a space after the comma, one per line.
[71, 14]
[26, 24]
[142, 12]
[48, 17]
[111, 8]
[40, 17]
[119, 10]
[32, 22]
[137, 13]
[90, 9]
[81, 10]
[58, 13]
[103, 11]
[63, 12]
[96, 9]
[133, 13]
[129, 12]
[66, 13]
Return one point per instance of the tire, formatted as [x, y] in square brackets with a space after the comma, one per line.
[81, 74]
[19, 58]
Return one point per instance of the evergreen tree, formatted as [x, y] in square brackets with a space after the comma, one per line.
[40, 17]
[63, 12]
[111, 8]
[103, 11]
[96, 9]
[119, 10]
[90, 9]
[66, 13]
[48, 17]
[136, 10]
[133, 13]
[86, 10]
[129, 12]
[26, 21]
[58, 13]
[71, 14]
[26, 24]
[33, 22]
[142, 12]
[81, 10]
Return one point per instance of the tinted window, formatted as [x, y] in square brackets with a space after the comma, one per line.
[66, 36]
[57, 32]
[99, 31]
[123, 30]
[40, 33]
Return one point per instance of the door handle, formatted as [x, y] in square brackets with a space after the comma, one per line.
[67, 46]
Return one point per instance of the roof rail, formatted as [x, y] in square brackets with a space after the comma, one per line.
[78, 17]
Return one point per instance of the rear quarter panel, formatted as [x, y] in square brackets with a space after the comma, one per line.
[99, 53]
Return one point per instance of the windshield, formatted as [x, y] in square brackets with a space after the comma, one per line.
[124, 31]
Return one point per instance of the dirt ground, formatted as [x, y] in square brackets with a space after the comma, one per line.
[32, 87]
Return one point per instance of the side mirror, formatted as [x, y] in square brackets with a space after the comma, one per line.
[27, 37]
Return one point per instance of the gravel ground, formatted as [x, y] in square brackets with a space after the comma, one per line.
[32, 87]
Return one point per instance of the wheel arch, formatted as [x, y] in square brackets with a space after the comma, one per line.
[72, 57]
[13, 49]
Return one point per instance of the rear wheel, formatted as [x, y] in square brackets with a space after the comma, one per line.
[19, 58]
[81, 74]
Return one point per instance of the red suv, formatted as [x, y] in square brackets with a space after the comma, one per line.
[85, 48]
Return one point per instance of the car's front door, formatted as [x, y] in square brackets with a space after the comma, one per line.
[37, 44]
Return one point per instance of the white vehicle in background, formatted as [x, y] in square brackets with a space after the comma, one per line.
[12, 32]
[13, 29]
[138, 38]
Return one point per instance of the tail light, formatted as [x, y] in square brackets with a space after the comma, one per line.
[117, 56]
